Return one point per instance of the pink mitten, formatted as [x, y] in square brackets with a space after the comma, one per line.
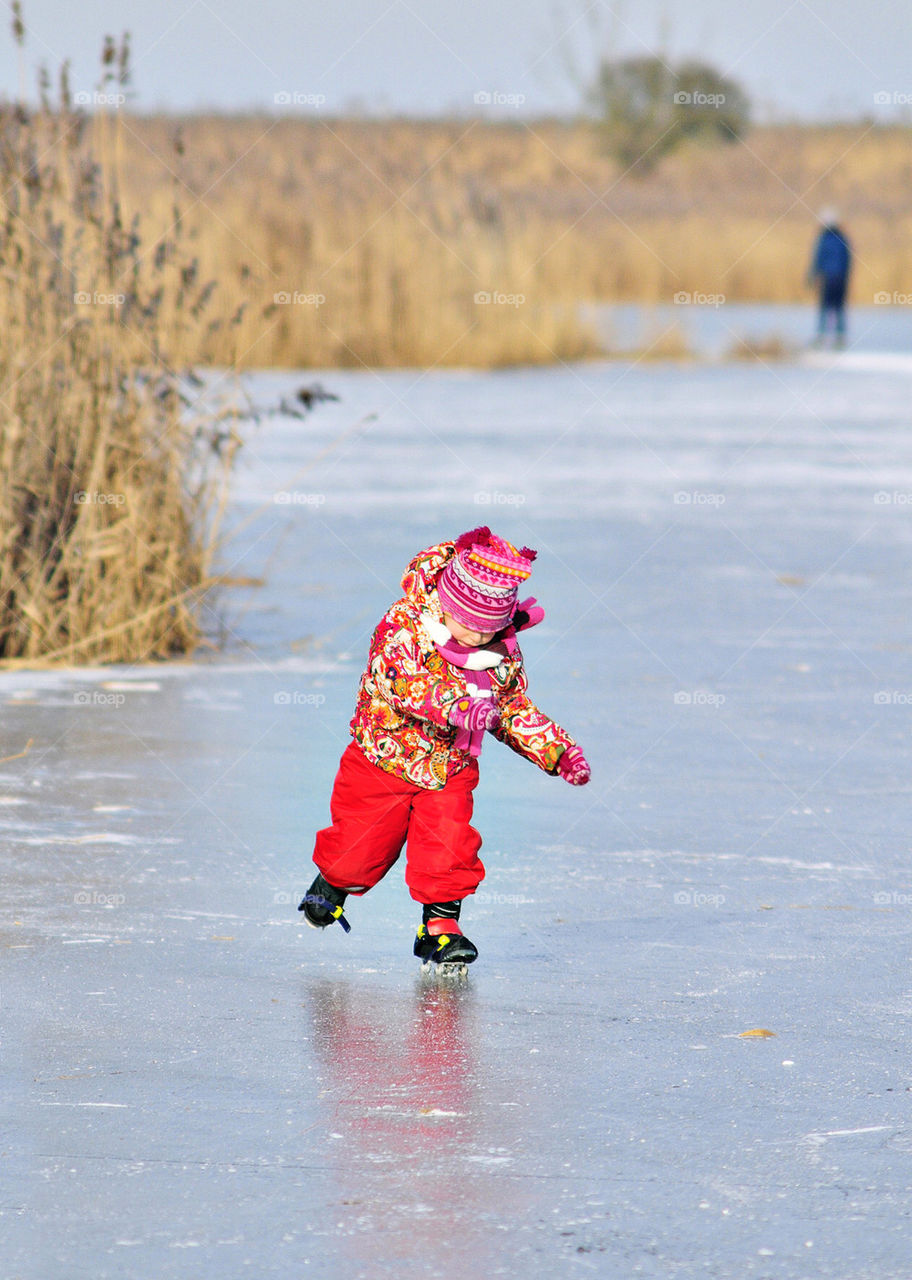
[477, 715]
[573, 767]
[528, 613]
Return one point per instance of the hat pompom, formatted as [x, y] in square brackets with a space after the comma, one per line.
[480, 537]
[528, 554]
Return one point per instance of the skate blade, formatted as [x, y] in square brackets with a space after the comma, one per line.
[454, 970]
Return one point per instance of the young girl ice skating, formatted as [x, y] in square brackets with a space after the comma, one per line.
[444, 669]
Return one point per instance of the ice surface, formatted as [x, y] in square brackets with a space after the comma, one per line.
[711, 331]
[195, 1085]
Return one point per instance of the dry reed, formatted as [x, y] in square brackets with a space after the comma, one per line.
[110, 481]
[345, 242]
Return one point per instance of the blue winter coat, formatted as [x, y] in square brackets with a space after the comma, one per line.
[833, 256]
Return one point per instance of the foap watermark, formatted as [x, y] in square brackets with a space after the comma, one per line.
[698, 698]
[698, 498]
[892, 98]
[92, 898]
[492, 298]
[497, 98]
[298, 698]
[684, 298]
[893, 698]
[98, 99]
[683, 98]
[502, 899]
[891, 898]
[92, 498]
[296, 98]
[98, 698]
[494, 498]
[893, 498]
[86, 299]
[298, 498]
[297, 299]
[694, 898]
[894, 299]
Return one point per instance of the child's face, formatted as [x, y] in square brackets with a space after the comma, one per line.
[464, 636]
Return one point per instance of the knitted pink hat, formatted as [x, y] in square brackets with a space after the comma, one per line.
[480, 585]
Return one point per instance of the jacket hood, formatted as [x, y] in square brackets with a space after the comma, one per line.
[419, 582]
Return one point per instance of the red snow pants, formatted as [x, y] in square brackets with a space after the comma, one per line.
[374, 814]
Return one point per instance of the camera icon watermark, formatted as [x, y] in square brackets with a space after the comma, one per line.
[502, 899]
[683, 98]
[698, 498]
[894, 299]
[494, 498]
[698, 698]
[99, 99]
[495, 98]
[693, 898]
[298, 698]
[85, 299]
[87, 497]
[488, 298]
[294, 98]
[98, 698]
[890, 898]
[894, 497]
[92, 898]
[894, 98]
[686, 298]
[298, 498]
[893, 698]
[284, 299]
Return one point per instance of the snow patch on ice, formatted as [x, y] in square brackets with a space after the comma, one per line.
[861, 361]
[807, 866]
[845, 1133]
[132, 686]
[95, 837]
[20, 686]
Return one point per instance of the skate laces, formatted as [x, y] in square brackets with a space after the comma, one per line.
[439, 926]
[449, 949]
[336, 913]
[317, 900]
[432, 941]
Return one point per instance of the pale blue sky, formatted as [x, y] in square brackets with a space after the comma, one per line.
[795, 57]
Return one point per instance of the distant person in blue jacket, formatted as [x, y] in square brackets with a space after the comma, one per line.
[829, 271]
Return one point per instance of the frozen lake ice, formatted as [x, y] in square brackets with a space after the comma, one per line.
[195, 1085]
[714, 328]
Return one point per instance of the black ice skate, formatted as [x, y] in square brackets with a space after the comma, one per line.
[441, 945]
[322, 904]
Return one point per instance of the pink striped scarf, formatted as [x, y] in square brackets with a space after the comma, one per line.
[476, 665]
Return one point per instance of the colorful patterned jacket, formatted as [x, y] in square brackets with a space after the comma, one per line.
[400, 720]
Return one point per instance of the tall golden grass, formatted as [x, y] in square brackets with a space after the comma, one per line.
[376, 236]
[110, 481]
